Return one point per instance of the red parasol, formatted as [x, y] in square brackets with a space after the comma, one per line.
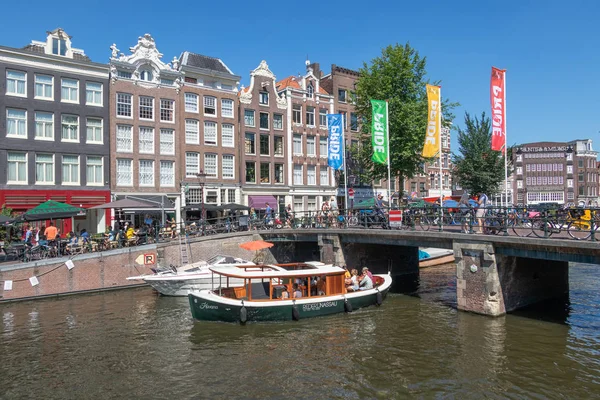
[256, 245]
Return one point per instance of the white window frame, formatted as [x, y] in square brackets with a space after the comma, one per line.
[278, 126]
[192, 130]
[167, 141]
[294, 143]
[275, 153]
[207, 169]
[144, 130]
[95, 127]
[323, 147]
[16, 80]
[227, 143]
[214, 135]
[268, 121]
[95, 93]
[227, 108]
[43, 85]
[323, 173]
[254, 141]
[297, 111]
[282, 174]
[62, 139]
[18, 123]
[120, 163]
[52, 169]
[62, 86]
[323, 118]
[124, 103]
[167, 181]
[253, 118]
[120, 138]
[310, 112]
[192, 168]
[150, 173]
[146, 107]
[225, 168]
[312, 143]
[163, 103]
[18, 163]
[71, 183]
[44, 125]
[261, 96]
[93, 182]
[191, 102]
[206, 104]
[310, 168]
[298, 168]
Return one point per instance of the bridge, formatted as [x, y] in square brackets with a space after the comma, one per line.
[495, 274]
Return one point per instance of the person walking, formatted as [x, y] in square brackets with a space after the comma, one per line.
[482, 201]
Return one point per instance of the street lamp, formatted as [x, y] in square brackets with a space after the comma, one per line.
[201, 180]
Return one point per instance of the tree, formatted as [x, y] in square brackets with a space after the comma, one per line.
[397, 76]
[478, 168]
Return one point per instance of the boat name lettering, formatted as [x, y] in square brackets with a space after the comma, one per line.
[318, 306]
[204, 306]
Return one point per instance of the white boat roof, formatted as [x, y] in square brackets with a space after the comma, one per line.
[277, 272]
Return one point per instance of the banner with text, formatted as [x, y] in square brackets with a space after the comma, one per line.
[498, 100]
[335, 141]
[432, 138]
[379, 129]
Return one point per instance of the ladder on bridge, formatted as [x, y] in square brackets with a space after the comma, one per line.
[183, 249]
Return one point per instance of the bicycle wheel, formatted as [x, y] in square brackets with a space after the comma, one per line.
[579, 230]
[541, 228]
[520, 228]
[423, 223]
[352, 220]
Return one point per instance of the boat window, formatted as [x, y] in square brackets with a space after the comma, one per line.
[215, 260]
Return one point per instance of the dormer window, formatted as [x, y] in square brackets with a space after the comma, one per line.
[146, 75]
[59, 47]
[310, 91]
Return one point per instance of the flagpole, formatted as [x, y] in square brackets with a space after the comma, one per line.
[387, 120]
[505, 145]
[440, 140]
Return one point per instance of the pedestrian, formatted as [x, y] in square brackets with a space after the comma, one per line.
[482, 200]
[465, 210]
[268, 213]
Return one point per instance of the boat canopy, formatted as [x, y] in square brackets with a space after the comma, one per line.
[273, 271]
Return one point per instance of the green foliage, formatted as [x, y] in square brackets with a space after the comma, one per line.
[397, 76]
[4, 230]
[478, 168]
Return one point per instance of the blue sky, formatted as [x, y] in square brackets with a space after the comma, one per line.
[549, 48]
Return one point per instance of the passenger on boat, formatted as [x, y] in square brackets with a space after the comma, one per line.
[297, 293]
[365, 281]
[321, 286]
[368, 273]
[353, 281]
[285, 294]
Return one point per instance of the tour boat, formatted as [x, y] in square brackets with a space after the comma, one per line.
[260, 296]
[175, 281]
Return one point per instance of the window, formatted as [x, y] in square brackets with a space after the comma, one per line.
[249, 118]
[59, 46]
[264, 145]
[581, 190]
[278, 122]
[310, 116]
[228, 166]
[16, 83]
[146, 172]
[278, 145]
[580, 177]
[192, 164]
[298, 204]
[95, 130]
[323, 147]
[70, 90]
[167, 82]
[264, 120]
[191, 80]
[191, 102]
[210, 133]
[298, 145]
[298, 175]
[249, 143]
[310, 91]
[520, 170]
[250, 172]
[210, 165]
[341, 95]
[297, 113]
[44, 125]
[167, 110]
[519, 158]
[146, 107]
[44, 87]
[124, 139]
[570, 183]
[17, 167]
[580, 163]
[192, 131]
[146, 142]
[124, 172]
[354, 122]
[167, 141]
[353, 97]
[311, 203]
[124, 74]
[310, 146]
[211, 196]
[167, 174]
[70, 170]
[569, 169]
[16, 123]
[279, 176]
[210, 105]
[93, 93]
[311, 175]
[263, 98]
[146, 75]
[44, 168]
[70, 128]
[95, 171]
[265, 172]
[124, 105]
[323, 117]
[227, 108]
[227, 135]
[324, 176]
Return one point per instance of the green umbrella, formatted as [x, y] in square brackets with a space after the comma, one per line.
[366, 204]
[52, 210]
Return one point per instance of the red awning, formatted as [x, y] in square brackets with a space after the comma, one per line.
[258, 201]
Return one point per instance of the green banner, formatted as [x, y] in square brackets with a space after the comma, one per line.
[379, 129]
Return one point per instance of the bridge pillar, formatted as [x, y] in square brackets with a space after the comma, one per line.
[330, 248]
[494, 284]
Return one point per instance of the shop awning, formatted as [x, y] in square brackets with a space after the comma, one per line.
[258, 201]
[159, 201]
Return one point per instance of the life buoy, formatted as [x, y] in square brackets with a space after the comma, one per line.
[347, 306]
[243, 314]
[295, 313]
[378, 298]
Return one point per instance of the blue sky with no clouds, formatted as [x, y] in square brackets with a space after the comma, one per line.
[549, 48]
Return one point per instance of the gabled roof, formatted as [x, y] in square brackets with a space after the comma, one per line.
[292, 82]
[204, 62]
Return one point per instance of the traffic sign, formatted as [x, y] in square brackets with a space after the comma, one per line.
[395, 218]
[350, 193]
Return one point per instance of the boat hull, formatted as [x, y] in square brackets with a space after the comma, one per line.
[207, 306]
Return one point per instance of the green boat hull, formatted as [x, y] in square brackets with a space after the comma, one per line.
[209, 310]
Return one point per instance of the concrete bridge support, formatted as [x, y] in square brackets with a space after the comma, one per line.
[494, 284]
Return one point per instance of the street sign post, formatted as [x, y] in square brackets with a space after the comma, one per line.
[351, 194]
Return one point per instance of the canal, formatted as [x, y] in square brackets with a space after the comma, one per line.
[133, 344]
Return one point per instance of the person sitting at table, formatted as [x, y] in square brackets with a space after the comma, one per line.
[42, 240]
[130, 232]
[85, 236]
[296, 292]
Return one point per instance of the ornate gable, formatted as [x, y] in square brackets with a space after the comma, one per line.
[264, 71]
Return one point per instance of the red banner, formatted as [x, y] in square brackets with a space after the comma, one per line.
[498, 101]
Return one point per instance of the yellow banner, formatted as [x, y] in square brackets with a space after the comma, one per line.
[432, 139]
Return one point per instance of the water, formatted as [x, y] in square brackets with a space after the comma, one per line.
[134, 344]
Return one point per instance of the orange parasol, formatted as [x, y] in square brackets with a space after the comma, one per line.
[256, 245]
